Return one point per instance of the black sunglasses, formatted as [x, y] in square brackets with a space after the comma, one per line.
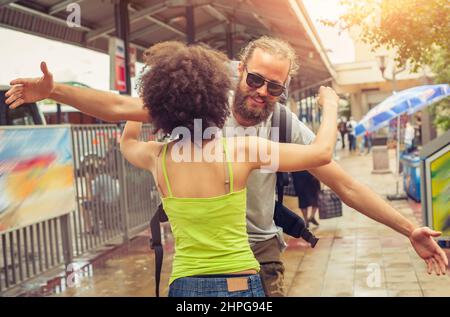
[256, 81]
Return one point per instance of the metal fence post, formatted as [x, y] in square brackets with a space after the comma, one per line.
[66, 239]
[124, 208]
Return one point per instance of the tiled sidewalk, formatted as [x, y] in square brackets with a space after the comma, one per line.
[353, 249]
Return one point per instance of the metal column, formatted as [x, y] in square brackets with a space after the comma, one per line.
[123, 32]
[229, 39]
[190, 24]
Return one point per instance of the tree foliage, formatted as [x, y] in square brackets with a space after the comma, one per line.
[418, 30]
[412, 27]
[440, 65]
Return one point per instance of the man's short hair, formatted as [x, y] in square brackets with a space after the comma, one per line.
[273, 46]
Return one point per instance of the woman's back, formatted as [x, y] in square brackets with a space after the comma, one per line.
[198, 172]
[207, 215]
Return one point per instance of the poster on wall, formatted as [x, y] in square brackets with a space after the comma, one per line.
[440, 193]
[36, 175]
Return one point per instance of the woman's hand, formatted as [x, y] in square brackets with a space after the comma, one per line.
[327, 97]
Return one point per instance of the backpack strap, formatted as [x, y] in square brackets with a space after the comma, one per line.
[280, 120]
[156, 245]
[229, 177]
[155, 229]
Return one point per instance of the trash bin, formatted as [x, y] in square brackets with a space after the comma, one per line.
[411, 175]
[380, 158]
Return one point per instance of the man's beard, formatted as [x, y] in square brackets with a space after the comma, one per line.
[249, 114]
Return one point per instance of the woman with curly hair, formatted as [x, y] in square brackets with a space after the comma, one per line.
[204, 198]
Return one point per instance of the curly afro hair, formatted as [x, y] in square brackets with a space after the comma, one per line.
[184, 83]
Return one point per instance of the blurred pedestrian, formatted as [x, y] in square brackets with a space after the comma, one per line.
[307, 189]
[409, 138]
[351, 124]
[366, 143]
[342, 127]
[106, 194]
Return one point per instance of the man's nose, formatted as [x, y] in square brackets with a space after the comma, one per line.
[262, 91]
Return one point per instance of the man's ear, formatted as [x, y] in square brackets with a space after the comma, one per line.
[240, 68]
[288, 81]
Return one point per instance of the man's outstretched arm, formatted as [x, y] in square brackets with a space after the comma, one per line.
[106, 106]
[364, 200]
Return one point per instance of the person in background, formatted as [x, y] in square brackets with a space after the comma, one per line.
[342, 127]
[106, 193]
[351, 124]
[366, 143]
[409, 138]
[307, 189]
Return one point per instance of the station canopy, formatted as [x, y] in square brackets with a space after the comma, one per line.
[227, 25]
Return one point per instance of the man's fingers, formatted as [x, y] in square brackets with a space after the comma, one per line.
[44, 69]
[13, 90]
[18, 81]
[443, 256]
[441, 263]
[432, 232]
[429, 266]
[436, 266]
[13, 98]
[17, 103]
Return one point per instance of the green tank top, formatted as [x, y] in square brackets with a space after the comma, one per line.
[210, 233]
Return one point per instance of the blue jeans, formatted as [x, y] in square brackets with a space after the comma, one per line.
[214, 287]
[352, 142]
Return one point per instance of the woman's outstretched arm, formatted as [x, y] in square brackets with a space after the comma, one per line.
[287, 157]
[138, 153]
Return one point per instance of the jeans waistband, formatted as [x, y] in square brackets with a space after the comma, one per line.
[215, 286]
[222, 275]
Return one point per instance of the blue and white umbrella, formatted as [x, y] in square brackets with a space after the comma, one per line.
[406, 101]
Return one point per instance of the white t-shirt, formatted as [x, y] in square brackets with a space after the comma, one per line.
[351, 127]
[261, 185]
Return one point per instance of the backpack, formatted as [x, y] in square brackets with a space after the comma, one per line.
[291, 223]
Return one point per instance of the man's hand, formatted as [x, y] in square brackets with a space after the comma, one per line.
[327, 96]
[27, 90]
[422, 241]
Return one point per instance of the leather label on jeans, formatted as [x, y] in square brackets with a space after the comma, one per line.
[236, 284]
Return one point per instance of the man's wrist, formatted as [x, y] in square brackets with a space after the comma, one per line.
[410, 229]
[54, 92]
[329, 103]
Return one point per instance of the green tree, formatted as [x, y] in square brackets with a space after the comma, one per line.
[419, 31]
[441, 67]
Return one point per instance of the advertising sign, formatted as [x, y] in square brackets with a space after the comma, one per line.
[118, 69]
[36, 175]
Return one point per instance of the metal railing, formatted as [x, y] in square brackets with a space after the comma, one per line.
[114, 200]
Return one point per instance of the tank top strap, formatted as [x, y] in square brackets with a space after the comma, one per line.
[164, 170]
[230, 168]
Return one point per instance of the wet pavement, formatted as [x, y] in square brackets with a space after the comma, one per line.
[355, 256]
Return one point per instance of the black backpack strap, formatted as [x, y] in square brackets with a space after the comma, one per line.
[280, 120]
[156, 243]
[291, 223]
